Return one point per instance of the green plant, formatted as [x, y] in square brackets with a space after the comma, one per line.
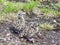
[58, 4]
[46, 26]
[1, 1]
[29, 6]
[12, 7]
[49, 12]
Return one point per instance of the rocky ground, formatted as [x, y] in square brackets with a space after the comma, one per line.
[25, 30]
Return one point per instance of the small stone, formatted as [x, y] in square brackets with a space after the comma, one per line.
[54, 44]
[44, 42]
[4, 39]
[8, 34]
[39, 34]
[32, 40]
[53, 41]
[54, 32]
[54, 21]
[8, 38]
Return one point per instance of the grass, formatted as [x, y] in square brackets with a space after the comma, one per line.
[50, 12]
[9, 11]
[12, 7]
[15, 7]
[1, 1]
[57, 5]
[29, 6]
[46, 26]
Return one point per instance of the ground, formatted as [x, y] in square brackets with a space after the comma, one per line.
[30, 28]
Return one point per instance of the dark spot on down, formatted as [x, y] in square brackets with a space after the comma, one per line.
[14, 30]
[27, 39]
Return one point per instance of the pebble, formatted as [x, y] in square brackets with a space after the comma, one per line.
[53, 41]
